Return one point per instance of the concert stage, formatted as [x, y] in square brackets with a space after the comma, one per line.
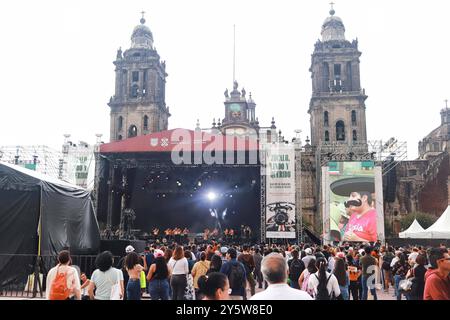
[140, 188]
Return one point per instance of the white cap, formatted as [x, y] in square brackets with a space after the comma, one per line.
[308, 251]
[129, 249]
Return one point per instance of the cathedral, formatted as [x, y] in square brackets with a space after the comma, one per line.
[337, 120]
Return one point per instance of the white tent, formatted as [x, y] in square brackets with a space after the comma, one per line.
[413, 229]
[439, 230]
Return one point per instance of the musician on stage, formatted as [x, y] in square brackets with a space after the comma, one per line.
[231, 233]
[184, 235]
[247, 233]
[206, 235]
[155, 232]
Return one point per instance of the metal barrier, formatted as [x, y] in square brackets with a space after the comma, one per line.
[24, 275]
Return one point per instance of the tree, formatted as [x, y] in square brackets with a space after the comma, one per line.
[424, 219]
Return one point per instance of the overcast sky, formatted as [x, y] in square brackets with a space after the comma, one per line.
[57, 73]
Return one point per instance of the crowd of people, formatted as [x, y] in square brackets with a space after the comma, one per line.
[287, 272]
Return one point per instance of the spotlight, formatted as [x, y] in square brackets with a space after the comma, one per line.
[199, 183]
[211, 196]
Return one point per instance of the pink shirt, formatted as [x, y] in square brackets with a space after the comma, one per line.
[364, 227]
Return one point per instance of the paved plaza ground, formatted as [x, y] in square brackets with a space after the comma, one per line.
[380, 293]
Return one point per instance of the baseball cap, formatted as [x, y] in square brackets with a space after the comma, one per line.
[340, 255]
[223, 250]
[308, 251]
[158, 253]
[129, 249]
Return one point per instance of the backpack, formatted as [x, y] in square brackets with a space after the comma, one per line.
[322, 291]
[387, 259]
[295, 269]
[236, 277]
[59, 289]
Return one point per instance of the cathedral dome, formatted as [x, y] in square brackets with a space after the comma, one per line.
[142, 36]
[333, 28]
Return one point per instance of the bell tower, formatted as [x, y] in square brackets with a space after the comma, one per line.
[138, 106]
[337, 109]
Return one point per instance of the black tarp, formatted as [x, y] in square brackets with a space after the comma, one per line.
[66, 213]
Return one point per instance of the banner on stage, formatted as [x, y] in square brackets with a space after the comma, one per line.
[280, 192]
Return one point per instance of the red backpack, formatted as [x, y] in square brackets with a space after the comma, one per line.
[59, 289]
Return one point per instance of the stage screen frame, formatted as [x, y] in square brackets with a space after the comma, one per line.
[329, 176]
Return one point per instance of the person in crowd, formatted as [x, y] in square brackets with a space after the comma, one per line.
[158, 277]
[296, 267]
[369, 268]
[235, 271]
[324, 285]
[354, 274]
[214, 286]
[387, 258]
[191, 262]
[342, 277]
[180, 269]
[222, 254]
[303, 280]
[121, 265]
[412, 256]
[309, 256]
[417, 276]
[257, 257]
[399, 271]
[84, 286]
[168, 253]
[247, 260]
[437, 281]
[134, 268]
[200, 268]
[104, 278]
[275, 272]
[331, 259]
[215, 265]
[62, 281]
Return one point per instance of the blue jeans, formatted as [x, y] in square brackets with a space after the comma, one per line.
[134, 289]
[398, 291]
[344, 292]
[365, 288]
[159, 289]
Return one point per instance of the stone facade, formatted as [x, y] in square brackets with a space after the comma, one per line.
[138, 105]
[421, 185]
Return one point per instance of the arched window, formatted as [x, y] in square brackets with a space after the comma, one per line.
[325, 118]
[340, 131]
[436, 147]
[353, 118]
[355, 137]
[327, 136]
[120, 123]
[145, 123]
[134, 91]
[132, 132]
[119, 137]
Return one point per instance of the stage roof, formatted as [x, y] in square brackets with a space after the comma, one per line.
[181, 140]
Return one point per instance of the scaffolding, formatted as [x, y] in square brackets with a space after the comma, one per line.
[75, 163]
[40, 158]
